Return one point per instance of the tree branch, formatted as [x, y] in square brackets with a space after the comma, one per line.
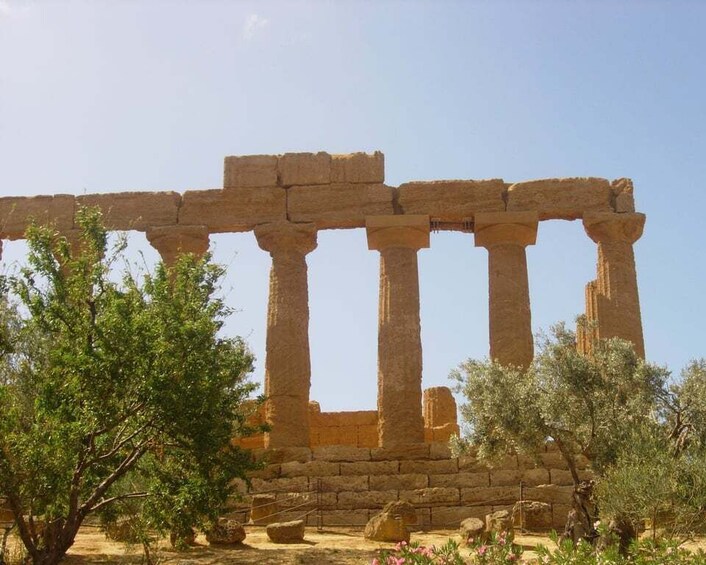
[107, 501]
[127, 463]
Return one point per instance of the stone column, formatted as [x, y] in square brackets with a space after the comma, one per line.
[287, 363]
[172, 241]
[439, 407]
[505, 235]
[398, 238]
[615, 303]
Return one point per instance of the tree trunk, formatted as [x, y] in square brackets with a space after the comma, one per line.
[582, 516]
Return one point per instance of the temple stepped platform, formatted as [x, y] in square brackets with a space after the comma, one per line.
[345, 486]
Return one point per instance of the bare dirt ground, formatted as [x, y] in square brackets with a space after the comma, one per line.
[335, 546]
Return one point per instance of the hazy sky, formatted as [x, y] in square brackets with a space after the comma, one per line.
[107, 96]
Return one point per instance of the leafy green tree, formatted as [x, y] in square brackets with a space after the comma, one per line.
[660, 474]
[588, 405]
[115, 392]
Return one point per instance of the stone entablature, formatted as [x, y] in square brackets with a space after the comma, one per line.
[331, 191]
[286, 199]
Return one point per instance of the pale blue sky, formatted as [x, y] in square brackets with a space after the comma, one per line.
[103, 96]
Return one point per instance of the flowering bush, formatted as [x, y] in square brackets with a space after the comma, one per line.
[498, 550]
[646, 552]
[415, 554]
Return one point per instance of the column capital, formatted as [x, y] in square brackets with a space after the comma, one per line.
[407, 232]
[604, 227]
[502, 228]
[286, 236]
[170, 241]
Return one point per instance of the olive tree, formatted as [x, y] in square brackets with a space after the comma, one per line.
[660, 475]
[587, 405]
[115, 389]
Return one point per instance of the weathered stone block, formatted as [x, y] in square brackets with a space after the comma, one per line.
[289, 500]
[338, 205]
[625, 202]
[441, 434]
[528, 462]
[250, 171]
[364, 418]
[286, 532]
[294, 484]
[310, 469]
[498, 521]
[341, 453]
[403, 453]
[329, 435]
[533, 516]
[268, 472]
[553, 460]
[564, 199]
[439, 467]
[472, 529]
[459, 480]
[505, 478]
[135, 210]
[490, 496]
[560, 513]
[559, 477]
[452, 201]
[348, 435]
[423, 520]
[370, 468]
[438, 406]
[277, 455]
[16, 213]
[439, 451]
[233, 210]
[304, 168]
[431, 496]
[551, 494]
[471, 463]
[358, 168]
[225, 532]
[623, 195]
[346, 518]
[367, 436]
[452, 516]
[398, 482]
[371, 499]
[534, 477]
[340, 484]
[264, 509]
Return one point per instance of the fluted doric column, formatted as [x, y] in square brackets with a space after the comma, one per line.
[505, 235]
[613, 303]
[398, 238]
[287, 362]
[172, 241]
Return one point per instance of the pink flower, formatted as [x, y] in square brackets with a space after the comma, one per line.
[512, 557]
[482, 550]
[375, 561]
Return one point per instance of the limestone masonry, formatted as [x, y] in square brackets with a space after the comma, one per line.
[358, 461]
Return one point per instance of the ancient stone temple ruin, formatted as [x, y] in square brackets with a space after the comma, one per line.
[399, 450]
